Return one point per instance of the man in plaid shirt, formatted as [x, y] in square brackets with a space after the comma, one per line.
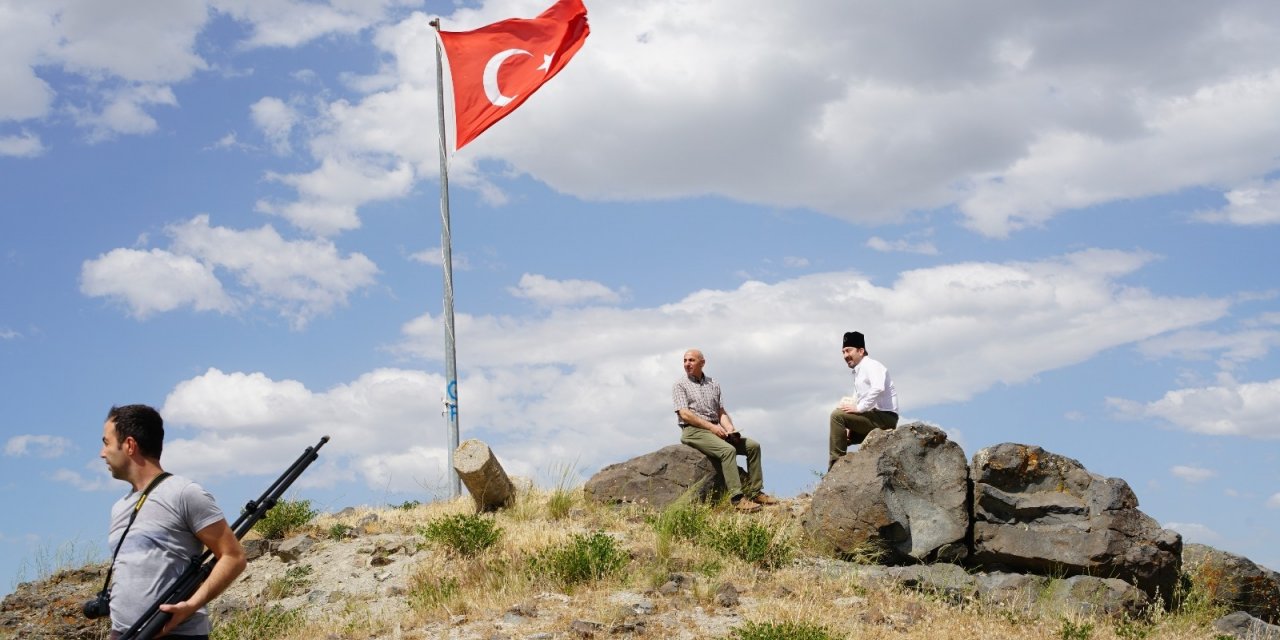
[707, 427]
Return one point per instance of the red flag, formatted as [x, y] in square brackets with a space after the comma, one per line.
[497, 67]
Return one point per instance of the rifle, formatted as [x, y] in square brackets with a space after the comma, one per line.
[201, 566]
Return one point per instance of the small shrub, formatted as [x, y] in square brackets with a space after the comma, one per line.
[407, 505]
[1130, 629]
[582, 559]
[284, 517]
[562, 497]
[560, 503]
[339, 531]
[752, 542]
[1076, 631]
[465, 534]
[684, 520]
[258, 623]
[781, 631]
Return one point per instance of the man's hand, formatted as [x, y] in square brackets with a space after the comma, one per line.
[718, 430]
[848, 405]
[180, 611]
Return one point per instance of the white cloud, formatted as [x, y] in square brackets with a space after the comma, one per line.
[558, 293]
[1194, 532]
[1192, 474]
[535, 389]
[276, 121]
[1249, 206]
[1236, 409]
[1200, 344]
[95, 477]
[331, 193]
[42, 446]
[901, 246]
[795, 262]
[26, 145]
[1274, 501]
[300, 279]
[124, 112]
[153, 281]
[9, 334]
[376, 423]
[435, 257]
[290, 23]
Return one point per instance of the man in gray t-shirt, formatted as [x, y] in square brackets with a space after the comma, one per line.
[175, 521]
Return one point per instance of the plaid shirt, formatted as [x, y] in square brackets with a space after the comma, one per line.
[699, 396]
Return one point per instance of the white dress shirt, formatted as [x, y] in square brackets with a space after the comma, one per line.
[873, 387]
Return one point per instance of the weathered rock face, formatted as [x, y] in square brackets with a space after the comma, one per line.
[904, 491]
[1041, 512]
[658, 478]
[52, 608]
[1234, 581]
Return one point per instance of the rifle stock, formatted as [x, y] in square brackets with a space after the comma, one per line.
[153, 620]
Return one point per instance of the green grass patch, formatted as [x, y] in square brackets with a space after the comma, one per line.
[465, 534]
[781, 631]
[285, 517]
[258, 623]
[427, 593]
[584, 558]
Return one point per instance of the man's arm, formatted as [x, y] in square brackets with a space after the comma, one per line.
[877, 377]
[726, 422]
[219, 538]
[693, 419]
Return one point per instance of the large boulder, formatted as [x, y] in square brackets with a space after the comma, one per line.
[903, 493]
[1041, 512]
[658, 478]
[1234, 581]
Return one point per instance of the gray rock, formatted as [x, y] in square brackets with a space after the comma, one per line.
[1090, 596]
[1017, 590]
[256, 548]
[904, 492]
[1044, 513]
[1234, 581]
[727, 595]
[658, 478]
[1246, 627]
[294, 548]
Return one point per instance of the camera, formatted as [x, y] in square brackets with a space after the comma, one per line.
[99, 607]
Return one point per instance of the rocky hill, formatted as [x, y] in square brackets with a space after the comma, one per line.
[367, 573]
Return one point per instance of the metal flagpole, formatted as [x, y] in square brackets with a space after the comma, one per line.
[450, 357]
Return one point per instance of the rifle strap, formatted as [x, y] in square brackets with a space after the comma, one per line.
[106, 584]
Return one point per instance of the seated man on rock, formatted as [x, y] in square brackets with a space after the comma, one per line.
[707, 427]
[873, 405]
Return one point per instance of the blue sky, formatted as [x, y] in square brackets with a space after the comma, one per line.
[1055, 224]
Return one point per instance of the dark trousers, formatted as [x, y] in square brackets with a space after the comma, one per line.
[852, 428]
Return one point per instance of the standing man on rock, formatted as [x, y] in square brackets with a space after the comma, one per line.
[707, 427]
[873, 405]
[163, 522]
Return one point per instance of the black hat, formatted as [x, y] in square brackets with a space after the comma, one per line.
[854, 339]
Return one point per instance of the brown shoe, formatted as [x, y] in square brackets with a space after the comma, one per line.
[765, 499]
[747, 505]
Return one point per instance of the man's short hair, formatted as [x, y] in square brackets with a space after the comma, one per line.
[143, 424]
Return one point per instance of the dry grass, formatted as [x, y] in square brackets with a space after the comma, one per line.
[494, 593]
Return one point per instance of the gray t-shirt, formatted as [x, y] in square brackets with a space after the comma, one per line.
[158, 548]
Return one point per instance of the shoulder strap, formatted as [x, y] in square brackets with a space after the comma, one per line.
[106, 584]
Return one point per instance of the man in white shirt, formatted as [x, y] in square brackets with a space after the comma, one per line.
[873, 405]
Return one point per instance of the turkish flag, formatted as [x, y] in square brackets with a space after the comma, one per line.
[497, 67]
